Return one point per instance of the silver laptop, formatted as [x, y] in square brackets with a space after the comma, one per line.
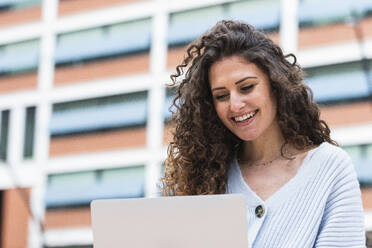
[215, 221]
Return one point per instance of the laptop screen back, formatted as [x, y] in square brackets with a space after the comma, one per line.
[217, 221]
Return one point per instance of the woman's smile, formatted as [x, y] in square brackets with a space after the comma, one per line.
[245, 119]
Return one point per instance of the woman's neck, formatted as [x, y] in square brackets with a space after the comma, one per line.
[264, 148]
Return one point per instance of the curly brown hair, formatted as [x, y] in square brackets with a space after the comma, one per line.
[203, 148]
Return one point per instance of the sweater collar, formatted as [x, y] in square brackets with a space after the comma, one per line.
[236, 183]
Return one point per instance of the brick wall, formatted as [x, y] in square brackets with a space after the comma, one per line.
[20, 16]
[67, 7]
[103, 141]
[15, 217]
[27, 81]
[68, 217]
[102, 69]
[355, 112]
[331, 34]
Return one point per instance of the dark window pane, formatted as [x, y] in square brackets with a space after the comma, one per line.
[4, 134]
[28, 147]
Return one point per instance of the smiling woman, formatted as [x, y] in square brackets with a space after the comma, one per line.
[246, 123]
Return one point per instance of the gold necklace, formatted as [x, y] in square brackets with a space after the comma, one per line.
[265, 163]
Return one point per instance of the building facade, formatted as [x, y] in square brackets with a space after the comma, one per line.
[84, 105]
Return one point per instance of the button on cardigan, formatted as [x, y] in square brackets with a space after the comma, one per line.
[319, 207]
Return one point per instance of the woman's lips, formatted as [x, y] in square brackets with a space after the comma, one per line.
[250, 118]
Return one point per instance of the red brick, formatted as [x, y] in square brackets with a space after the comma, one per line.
[102, 69]
[103, 141]
[69, 217]
[13, 83]
[67, 7]
[20, 16]
[15, 217]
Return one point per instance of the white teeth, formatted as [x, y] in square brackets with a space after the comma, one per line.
[245, 117]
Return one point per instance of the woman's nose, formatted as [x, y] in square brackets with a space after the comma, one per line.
[236, 103]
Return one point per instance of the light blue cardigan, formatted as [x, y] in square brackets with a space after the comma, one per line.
[320, 207]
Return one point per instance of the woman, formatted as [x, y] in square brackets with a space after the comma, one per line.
[246, 123]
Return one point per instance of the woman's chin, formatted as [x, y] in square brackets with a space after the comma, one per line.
[248, 137]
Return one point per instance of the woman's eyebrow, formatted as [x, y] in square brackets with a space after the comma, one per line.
[243, 79]
[237, 82]
[218, 88]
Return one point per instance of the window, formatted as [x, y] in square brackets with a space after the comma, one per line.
[187, 25]
[264, 15]
[17, 4]
[99, 114]
[361, 156]
[170, 94]
[19, 57]
[324, 12]
[343, 82]
[4, 130]
[28, 147]
[80, 188]
[102, 42]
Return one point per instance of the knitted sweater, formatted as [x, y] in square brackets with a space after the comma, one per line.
[319, 207]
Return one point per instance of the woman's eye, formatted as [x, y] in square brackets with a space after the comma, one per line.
[248, 87]
[221, 97]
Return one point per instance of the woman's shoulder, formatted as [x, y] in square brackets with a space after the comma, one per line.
[333, 159]
[330, 152]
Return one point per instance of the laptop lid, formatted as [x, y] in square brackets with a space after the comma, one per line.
[217, 221]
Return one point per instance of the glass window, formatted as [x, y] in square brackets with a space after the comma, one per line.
[313, 13]
[17, 4]
[369, 153]
[363, 8]
[187, 25]
[170, 94]
[354, 152]
[72, 179]
[122, 174]
[19, 57]
[338, 82]
[100, 113]
[4, 131]
[80, 37]
[362, 158]
[261, 14]
[77, 45]
[129, 37]
[323, 12]
[105, 41]
[80, 188]
[28, 148]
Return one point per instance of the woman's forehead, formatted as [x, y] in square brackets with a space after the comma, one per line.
[233, 68]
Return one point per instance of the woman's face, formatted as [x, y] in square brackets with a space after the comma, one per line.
[242, 98]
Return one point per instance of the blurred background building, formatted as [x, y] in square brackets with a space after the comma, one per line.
[84, 106]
